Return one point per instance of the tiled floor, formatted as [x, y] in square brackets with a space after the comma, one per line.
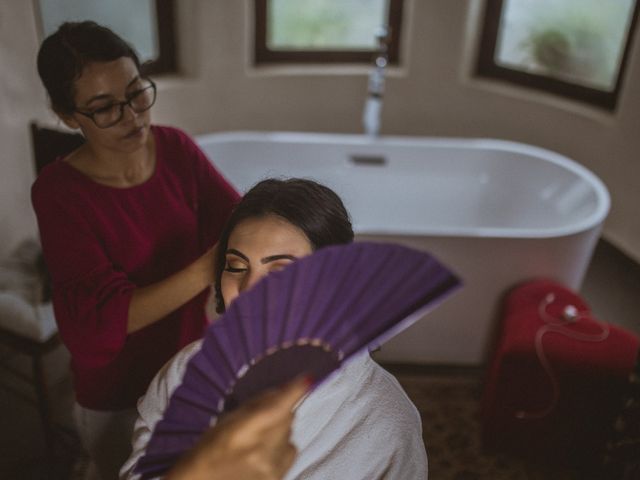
[611, 287]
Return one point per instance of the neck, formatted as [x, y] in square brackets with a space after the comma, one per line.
[116, 169]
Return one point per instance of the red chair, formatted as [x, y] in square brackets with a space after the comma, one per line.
[556, 377]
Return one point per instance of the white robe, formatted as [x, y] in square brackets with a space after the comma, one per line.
[358, 424]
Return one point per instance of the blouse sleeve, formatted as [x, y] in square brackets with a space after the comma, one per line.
[91, 297]
[216, 196]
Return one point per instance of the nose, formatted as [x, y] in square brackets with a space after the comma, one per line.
[128, 113]
[250, 279]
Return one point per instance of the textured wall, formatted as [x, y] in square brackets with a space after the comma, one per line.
[432, 94]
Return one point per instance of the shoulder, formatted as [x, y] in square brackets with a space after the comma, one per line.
[49, 175]
[379, 386]
[53, 182]
[389, 397]
[178, 151]
[364, 390]
[390, 413]
[359, 410]
[167, 137]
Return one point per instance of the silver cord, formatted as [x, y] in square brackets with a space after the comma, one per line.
[570, 316]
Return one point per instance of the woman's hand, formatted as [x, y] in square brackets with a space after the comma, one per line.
[206, 265]
[253, 442]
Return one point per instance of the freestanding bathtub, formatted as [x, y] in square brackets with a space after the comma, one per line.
[497, 212]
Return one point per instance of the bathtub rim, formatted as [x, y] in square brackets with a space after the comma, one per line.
[593, 221]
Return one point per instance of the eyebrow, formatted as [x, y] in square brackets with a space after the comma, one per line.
[270, 258]
[105, 96]
[273, 258]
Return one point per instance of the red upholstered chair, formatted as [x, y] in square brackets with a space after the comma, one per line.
[556, 376]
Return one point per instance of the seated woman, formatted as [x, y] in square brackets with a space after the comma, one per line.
[359, 424]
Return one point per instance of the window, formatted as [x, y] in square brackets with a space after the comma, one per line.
[148, 25]
[324, 31]
[574, 48]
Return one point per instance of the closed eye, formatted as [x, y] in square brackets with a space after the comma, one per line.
[231, 269]
[103, 109]
[277, 266]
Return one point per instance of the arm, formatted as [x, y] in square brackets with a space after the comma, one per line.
[150, 304]
[90, 296]
[216, 198]
[96, 303]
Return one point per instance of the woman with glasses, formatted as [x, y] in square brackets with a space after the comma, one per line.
[128, 222]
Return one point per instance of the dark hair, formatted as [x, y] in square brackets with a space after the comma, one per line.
[313, 208]
[64, 54]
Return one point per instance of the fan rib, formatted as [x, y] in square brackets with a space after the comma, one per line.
[355, 293]
[422, 277]
[287, 313]
[246, 321]
[315, 311]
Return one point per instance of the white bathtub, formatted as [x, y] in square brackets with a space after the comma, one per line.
[497, 212]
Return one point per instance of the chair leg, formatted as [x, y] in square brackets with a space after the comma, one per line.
[43, 403]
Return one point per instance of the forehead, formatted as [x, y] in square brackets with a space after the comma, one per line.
[268, 235]
[105, 78]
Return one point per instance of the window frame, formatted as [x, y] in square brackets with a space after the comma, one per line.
[265, 56]
[487, 67]
[167, 61]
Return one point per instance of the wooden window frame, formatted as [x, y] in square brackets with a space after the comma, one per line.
[486, 66]
[263, 55]
[167, 61]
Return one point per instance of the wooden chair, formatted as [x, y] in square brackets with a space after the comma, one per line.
[30, 329]
[49, 143]
[37, 350]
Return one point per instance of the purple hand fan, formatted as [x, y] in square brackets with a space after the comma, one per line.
[308, 318]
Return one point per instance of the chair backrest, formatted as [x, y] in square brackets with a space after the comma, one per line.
[49, 144]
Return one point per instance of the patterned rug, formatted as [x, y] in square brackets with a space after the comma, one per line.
[449, 406]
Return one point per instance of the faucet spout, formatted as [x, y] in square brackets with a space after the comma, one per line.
[371, 116]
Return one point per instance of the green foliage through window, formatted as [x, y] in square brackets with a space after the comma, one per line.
[324, 31]
[325, 24]
[575, 48]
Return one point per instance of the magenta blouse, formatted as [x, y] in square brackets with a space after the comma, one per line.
[101, 242]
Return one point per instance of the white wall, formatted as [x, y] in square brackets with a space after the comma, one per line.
[21, 98]
[432, 94]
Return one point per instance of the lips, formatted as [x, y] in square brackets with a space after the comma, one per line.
[134, 132]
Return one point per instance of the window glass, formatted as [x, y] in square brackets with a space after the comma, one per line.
[325, 24]
[579, 41]
[135, 21]
[325, 31]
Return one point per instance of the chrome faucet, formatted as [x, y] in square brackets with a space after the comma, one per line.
[371, 116]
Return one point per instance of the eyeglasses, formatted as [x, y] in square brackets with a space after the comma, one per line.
[139, 101]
